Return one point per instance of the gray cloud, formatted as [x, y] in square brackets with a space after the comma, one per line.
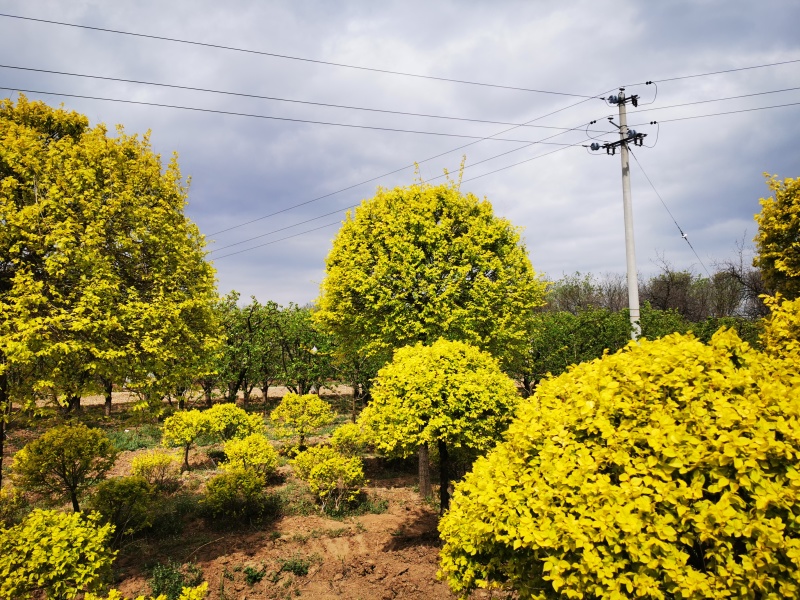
[709, 171]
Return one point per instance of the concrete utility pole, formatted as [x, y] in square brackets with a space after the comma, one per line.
[626, 136]
[630, 249]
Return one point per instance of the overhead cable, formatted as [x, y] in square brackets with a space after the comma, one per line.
[288, 57]
[271, 118]
[683, 235]
[271, 98]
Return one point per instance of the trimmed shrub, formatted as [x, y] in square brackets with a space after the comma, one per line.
[238, 496]
[183, 428]
[301, 416]
[228, 421]
[253, 453]
[349, 439]
[159, 468]
[60, 554]
[666, 470]
[126, 503]
[63, 462]
[333, 477]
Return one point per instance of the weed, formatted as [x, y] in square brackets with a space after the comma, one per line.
[274, 535]
[170, 578]
[145, 436]
[295, 565]
[252, 577]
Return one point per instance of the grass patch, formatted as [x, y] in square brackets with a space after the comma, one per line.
[134, 438]
[297, 565]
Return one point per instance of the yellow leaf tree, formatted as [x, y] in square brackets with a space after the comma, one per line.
[778, 239]
[449, 394]
[102, 276]
[666, 470]
[419, 263]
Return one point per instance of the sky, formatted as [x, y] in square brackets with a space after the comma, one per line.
[269, 193]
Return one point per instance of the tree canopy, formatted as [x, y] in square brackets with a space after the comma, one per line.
[101, 273]
[419, 263]
[449, 393]
[778, 239]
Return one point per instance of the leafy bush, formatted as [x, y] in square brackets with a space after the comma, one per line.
[183, 428]
[126, 503]
[63, 462]
[228, 421]
[349, 439]
[12, 506]
[253, 453]
[170, 579]
[781, 335]
[57, 553]
[188, 593]
[332, 476]
[667, 470]
[239, 496]
[159, 468]
[134, 438]
[301, 416]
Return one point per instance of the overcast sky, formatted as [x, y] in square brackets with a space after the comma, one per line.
[569, 203]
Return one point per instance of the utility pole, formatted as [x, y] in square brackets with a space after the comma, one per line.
[627, 136]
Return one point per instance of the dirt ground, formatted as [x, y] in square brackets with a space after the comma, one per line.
[389, 555]
[393, 554]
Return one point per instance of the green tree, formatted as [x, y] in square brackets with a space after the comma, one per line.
[305, 350]
[666, 470]
[449, 393]
[778, 239]
[301, 416]
[64, 461]
[59, 554]
[424, 262]
[102, 277]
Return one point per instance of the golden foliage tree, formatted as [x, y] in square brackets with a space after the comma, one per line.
[778, 239]
[666, 470]
[420, 263]
[102, 276]
[449, 394]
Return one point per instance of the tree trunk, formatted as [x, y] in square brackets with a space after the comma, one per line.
[444, 478]
[74, 497]
[207, 389]
[186, 457]
[73, 403]
[425, 489]
[108, 387]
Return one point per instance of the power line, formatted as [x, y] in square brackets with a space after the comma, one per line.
[278, 240]
[288, 57]
[398, 170]
[791, 89]
[683, 235]
[730, 112]
[271, 98]
[351, 207]
[271, 118]
[774, 64]
[475, 164]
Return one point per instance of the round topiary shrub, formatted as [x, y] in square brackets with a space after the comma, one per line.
[253, 453]
[126, 503]
[238, 497]
[666, 470]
